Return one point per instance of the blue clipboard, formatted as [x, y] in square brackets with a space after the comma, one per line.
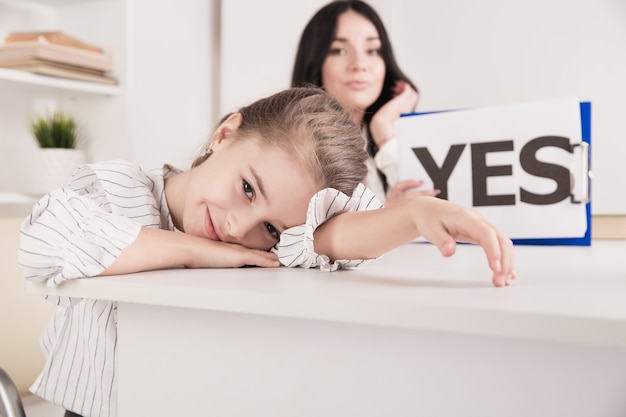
[585, 123]
[585, 118]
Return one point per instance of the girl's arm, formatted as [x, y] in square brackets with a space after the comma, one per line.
[69, 235]
[158, 248]
[369, 234]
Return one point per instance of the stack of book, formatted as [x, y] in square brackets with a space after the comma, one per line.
[56, 54]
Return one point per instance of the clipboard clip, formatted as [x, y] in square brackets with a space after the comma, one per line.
[579, 189]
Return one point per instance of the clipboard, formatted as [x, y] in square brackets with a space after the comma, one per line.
[509, 146]
[585, 240]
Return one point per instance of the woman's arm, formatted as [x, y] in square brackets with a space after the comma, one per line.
[382, 125]
[382, 129]
[369, 234]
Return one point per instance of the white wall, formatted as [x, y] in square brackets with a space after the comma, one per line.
[465, 54]
[258, 45]
[172, 79]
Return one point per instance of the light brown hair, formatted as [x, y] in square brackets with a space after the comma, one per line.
[314, 129]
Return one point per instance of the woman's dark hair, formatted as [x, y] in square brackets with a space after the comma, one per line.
[315, 43]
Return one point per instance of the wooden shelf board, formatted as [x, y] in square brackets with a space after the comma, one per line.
[24, 77]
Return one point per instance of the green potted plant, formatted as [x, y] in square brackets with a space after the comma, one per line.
[56, 131]
[58, 157]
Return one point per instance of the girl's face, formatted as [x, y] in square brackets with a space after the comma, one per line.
[354, 70]
[247, 194]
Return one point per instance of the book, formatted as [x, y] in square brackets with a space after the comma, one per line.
[29, 62]
[56, 37]
[63, 54]
[62, 71]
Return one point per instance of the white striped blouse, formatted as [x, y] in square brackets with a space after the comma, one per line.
[78, 231]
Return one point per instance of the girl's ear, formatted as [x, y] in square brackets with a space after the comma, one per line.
[226, 130]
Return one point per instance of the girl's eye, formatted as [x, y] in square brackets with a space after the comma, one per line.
[374, 52]
[272, 231]
[247, 189]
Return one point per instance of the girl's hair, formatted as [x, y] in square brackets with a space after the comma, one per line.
[314, 129]
[315, 43]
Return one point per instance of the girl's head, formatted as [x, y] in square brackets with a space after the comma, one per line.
[346, 50]
[305, 123]
[264, 164]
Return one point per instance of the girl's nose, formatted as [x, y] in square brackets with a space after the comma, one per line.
[239, 225]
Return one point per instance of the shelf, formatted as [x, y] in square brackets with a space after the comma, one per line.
[8, 76]
[16, 204]
[34, 4]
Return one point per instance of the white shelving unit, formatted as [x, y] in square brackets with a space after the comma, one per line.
[163, 106]
[24, 95]
[25, 80]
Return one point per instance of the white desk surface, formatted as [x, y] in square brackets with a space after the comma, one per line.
[569, 294]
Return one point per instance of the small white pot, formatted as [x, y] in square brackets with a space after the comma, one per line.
[53, 168]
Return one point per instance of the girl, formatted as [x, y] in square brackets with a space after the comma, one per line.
[345, 49]
[272, 173]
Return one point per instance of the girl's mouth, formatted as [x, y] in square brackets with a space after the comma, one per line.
[209, 229]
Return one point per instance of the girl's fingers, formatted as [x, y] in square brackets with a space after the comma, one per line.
[263, 259]
[438, 235]
[499, 250]
[497, 247]
[444, 224]
[508, 259]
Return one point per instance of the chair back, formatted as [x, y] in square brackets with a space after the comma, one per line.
[10, 400]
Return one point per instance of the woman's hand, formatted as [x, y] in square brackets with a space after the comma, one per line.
[382, 123]
[407, 189]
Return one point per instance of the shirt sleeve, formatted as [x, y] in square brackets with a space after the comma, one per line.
[386, 160]
[73, 232]
[296, 243]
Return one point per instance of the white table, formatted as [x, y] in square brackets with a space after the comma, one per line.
[411, 333]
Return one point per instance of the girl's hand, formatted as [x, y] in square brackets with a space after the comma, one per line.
[407, 189]
[443, 224]
[231, 255]
[157, 249]
[371, 233]
[382, 123]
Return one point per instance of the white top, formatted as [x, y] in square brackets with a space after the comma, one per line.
[79, 230]
[385, 160]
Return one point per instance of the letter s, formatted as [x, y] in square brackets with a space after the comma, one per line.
[530, 164]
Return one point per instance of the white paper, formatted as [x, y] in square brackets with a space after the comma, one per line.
[496, 127]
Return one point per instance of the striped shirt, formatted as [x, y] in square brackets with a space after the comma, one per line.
[80, 230]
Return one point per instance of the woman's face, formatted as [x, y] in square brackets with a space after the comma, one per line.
[247, 194]
[354, 70]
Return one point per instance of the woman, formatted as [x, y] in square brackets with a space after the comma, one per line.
[346, 50]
